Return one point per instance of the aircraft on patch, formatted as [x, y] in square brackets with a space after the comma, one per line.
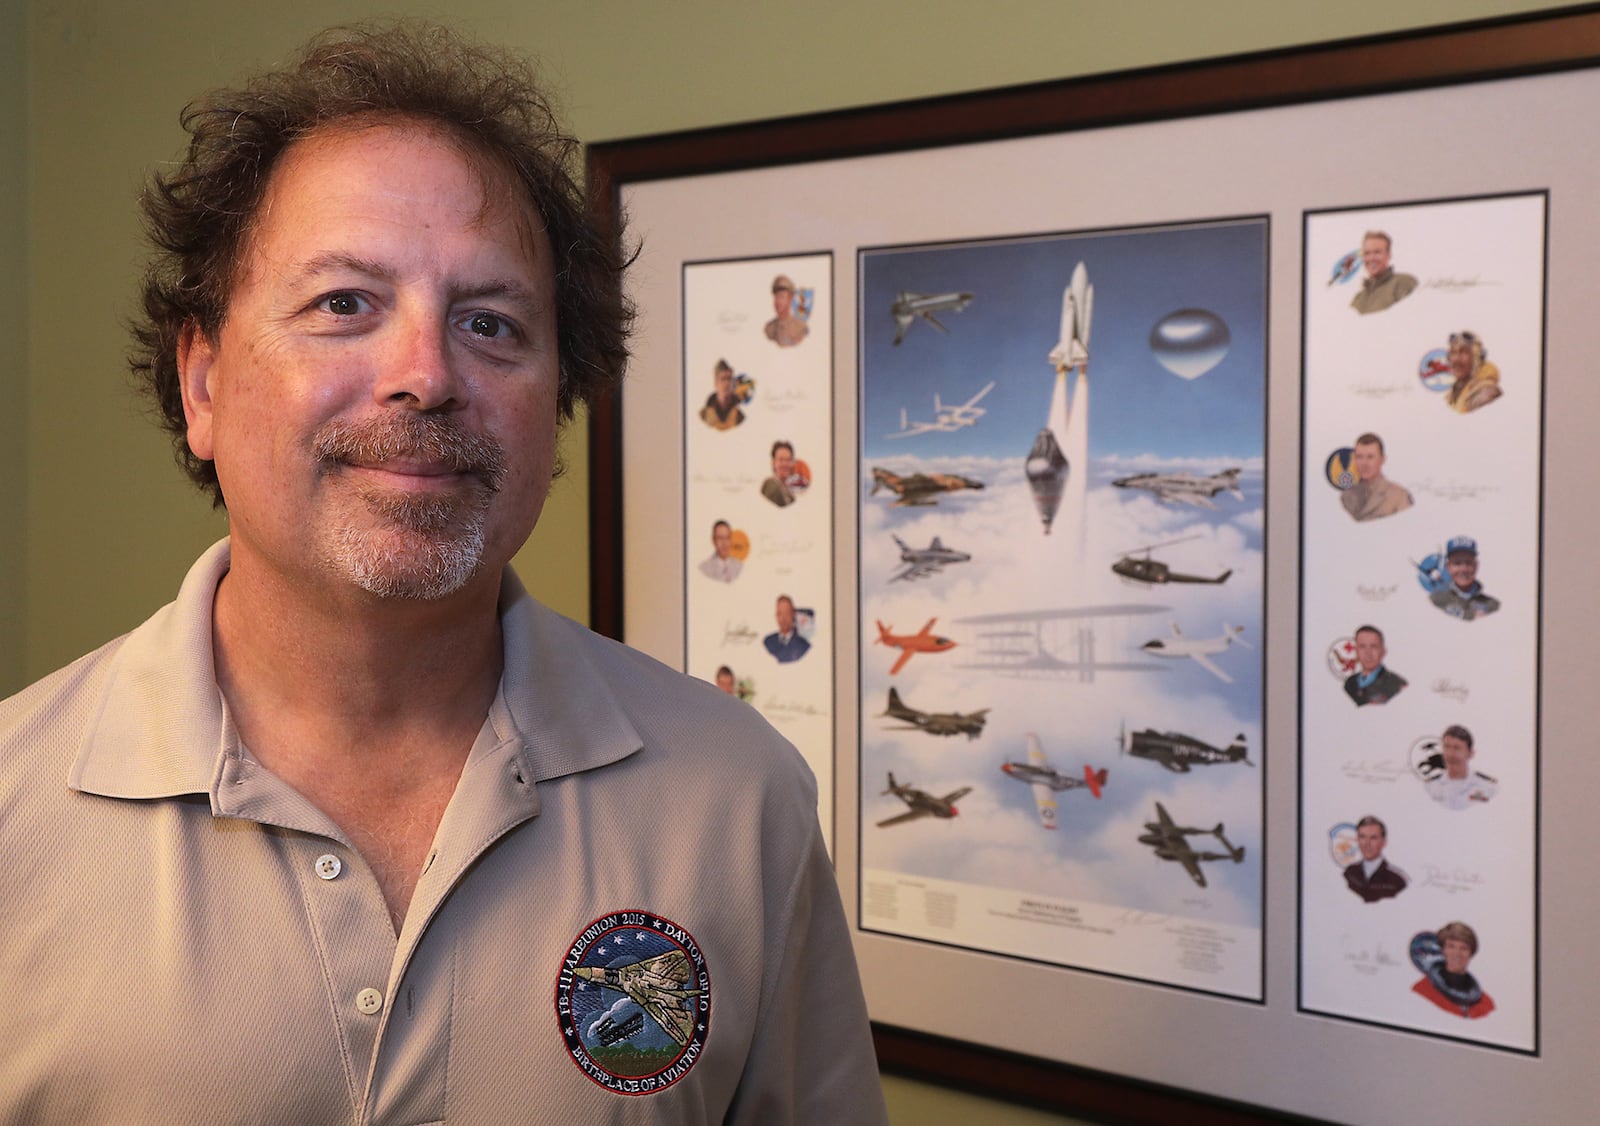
[1198, 649]
[1047, 782]
[922, 804]
[946, 420]
[910, 644]
[907, 307]
[1184, 488]
[1178, 752]
[921, 562]
[657, 985]
[935, 723]
[1167, 838]
[919, 488]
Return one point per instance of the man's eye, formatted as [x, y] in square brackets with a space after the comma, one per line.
[342, 304]
[487, 324]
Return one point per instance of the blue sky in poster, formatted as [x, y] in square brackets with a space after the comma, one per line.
[1004, 335]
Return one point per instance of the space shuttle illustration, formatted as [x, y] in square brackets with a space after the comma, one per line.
[1064, 439]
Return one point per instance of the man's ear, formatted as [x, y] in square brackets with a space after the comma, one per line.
[197, 358]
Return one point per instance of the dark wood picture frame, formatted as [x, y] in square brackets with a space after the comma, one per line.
[1474, 52]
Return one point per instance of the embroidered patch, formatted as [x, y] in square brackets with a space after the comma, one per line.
[634, 1002]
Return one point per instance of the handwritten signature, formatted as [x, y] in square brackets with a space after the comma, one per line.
[1451, 881]
[1453, 490]
[1375, 593]
[1380, 390]
[1373, 770]
[1448, 282]
[739, 634]
[1446, 687]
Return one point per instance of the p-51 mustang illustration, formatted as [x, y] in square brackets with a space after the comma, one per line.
[1198, 649]
[919, 488]
[1047, 782]
[1178, 752]
[657, 985]
[907, 307]
[910, 644]
[922, 804]
[946, 420]
[935, 723]
[1184, 488]
[1167, 838]
[921, 562]
[1140, 567]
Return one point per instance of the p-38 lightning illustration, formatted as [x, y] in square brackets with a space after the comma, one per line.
[910, 644]
[1198, 649]
[1047, 782]
[946, 419]
[1184, 488]
[920, 562]
[657, 985]
[922, 804]
[907, 307]
[935, 723]
[1167, 838]
[919, 488]
[1178, 752]
[1140, 567]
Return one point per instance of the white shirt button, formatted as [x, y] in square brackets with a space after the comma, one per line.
[369, 1001]
[329, 866]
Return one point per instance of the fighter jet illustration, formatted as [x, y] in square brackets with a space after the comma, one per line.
[920, 562]
[922, 804]
[1077, 309]
[1140, 567]
[946, 420]
[657, 985]
[1184, 488]
[1167, 838]
[919, 488]
[935, 723]
[1047, 782]
[910, 644]
[907, 307]
[1178, 752]
[1198, 649]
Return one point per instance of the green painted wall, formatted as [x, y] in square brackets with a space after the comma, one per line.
[13, 338]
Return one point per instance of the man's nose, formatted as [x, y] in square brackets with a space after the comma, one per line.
[421, 371]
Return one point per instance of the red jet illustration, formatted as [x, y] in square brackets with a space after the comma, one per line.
[909, 644]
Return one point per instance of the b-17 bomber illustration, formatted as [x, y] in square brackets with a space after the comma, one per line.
[935, 723]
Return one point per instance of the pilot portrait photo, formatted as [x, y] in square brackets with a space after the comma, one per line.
[725, 562]
[1452, 581]
[790, 476]
[786, 644]
[723, 410]
[1446, 771]
[1443, 957]
[1372, 495]
[1373, 682]
[791, 308]
[1476, 381]
[1371, 876]
[1382, 287]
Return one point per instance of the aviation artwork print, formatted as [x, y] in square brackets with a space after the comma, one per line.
[1037, 570]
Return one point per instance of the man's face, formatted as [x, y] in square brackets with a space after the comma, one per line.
[783, 463]
[1375, 255]
[380, 400]
[724, 386]
[1463, 568]
[1370, 838]
[1457, 756]
[781, 300]
[1456, 955]
[1460, 360]
[1369, 650]
[722, 540]
[725, 682]
[1369, 461]
[785, 616]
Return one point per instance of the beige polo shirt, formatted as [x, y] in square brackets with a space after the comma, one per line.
[627, 915]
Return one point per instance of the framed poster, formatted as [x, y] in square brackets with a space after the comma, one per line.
[989, 942]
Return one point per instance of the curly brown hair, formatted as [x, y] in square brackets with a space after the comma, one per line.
[199, 216]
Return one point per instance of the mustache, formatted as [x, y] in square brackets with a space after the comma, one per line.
[435, 439]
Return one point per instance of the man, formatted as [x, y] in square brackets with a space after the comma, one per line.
[1373, 495]
[721, 411]
[1456, 785]
[786, 329]
[1372, 683]
[1372, 877]
[1382, 287]
[722, 565]
[1477, 381]
[725, 679]
[786, 484]
[1463, 597]
[354, 831]
[786, 644]
[1445, 980]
